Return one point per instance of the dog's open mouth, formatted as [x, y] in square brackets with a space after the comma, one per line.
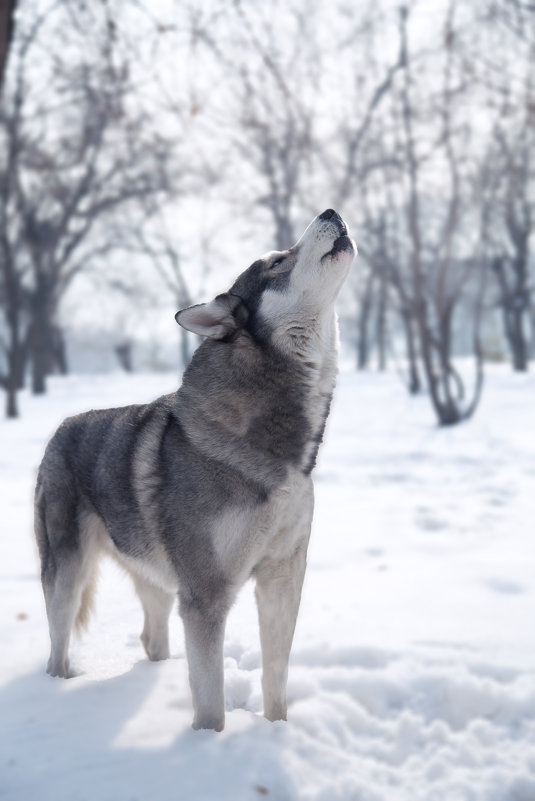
[342, 244]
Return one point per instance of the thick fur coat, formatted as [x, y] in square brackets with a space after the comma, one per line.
[204, 488]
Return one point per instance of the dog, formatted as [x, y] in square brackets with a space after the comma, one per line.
[211, 485]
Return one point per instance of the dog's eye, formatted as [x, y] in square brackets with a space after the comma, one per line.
[276, 263]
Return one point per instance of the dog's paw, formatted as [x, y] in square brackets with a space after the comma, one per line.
[213, 722]
[60, 670]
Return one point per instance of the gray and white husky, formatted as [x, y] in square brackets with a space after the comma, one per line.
[204, 488]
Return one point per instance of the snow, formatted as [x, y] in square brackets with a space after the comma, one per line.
[412, 670]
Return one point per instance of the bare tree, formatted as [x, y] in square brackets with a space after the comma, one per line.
[511, 262]
[518, 16]
[7, 26]
[511, 88]
[57, 189]
[387, 297]
[12, 291]
[438, 273]
[268, 125]
[164, 253]
[286, 154]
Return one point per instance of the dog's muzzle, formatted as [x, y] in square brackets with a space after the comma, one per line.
[343, 243]
[331, 215]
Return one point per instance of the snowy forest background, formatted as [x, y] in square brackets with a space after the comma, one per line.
[150, 151]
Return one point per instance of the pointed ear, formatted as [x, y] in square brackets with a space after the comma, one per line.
[218, 319]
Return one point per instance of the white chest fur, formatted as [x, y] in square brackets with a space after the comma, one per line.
[244, 537]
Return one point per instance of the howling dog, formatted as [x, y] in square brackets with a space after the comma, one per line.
[205, 488]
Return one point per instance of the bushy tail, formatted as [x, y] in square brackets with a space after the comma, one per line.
[85, 562]
[39, 525]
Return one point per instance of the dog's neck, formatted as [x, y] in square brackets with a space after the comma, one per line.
[262, 410]
[316, 348]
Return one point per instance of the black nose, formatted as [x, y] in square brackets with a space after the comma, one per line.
[328, 214]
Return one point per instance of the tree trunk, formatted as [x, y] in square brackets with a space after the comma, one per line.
[415, 383]
[7, 26]
[517, 340]
[381, 323]
[515, 302]
[14, 368]
[363, 340]
[25, 348]
[124, 355]
[284, 234]
[12, 407]
[42, 333]
[39, 354]
[60, 364]
[13, 313]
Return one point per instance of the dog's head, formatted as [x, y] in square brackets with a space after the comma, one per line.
[283, 296]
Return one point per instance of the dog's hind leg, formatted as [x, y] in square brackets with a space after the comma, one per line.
[68, 566]
[157, 604]
[278, 594]
[63, 596]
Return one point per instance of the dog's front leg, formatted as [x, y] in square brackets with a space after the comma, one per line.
[204, 628]
[278, 593]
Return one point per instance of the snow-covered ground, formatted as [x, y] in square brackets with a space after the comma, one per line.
[412, 676]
